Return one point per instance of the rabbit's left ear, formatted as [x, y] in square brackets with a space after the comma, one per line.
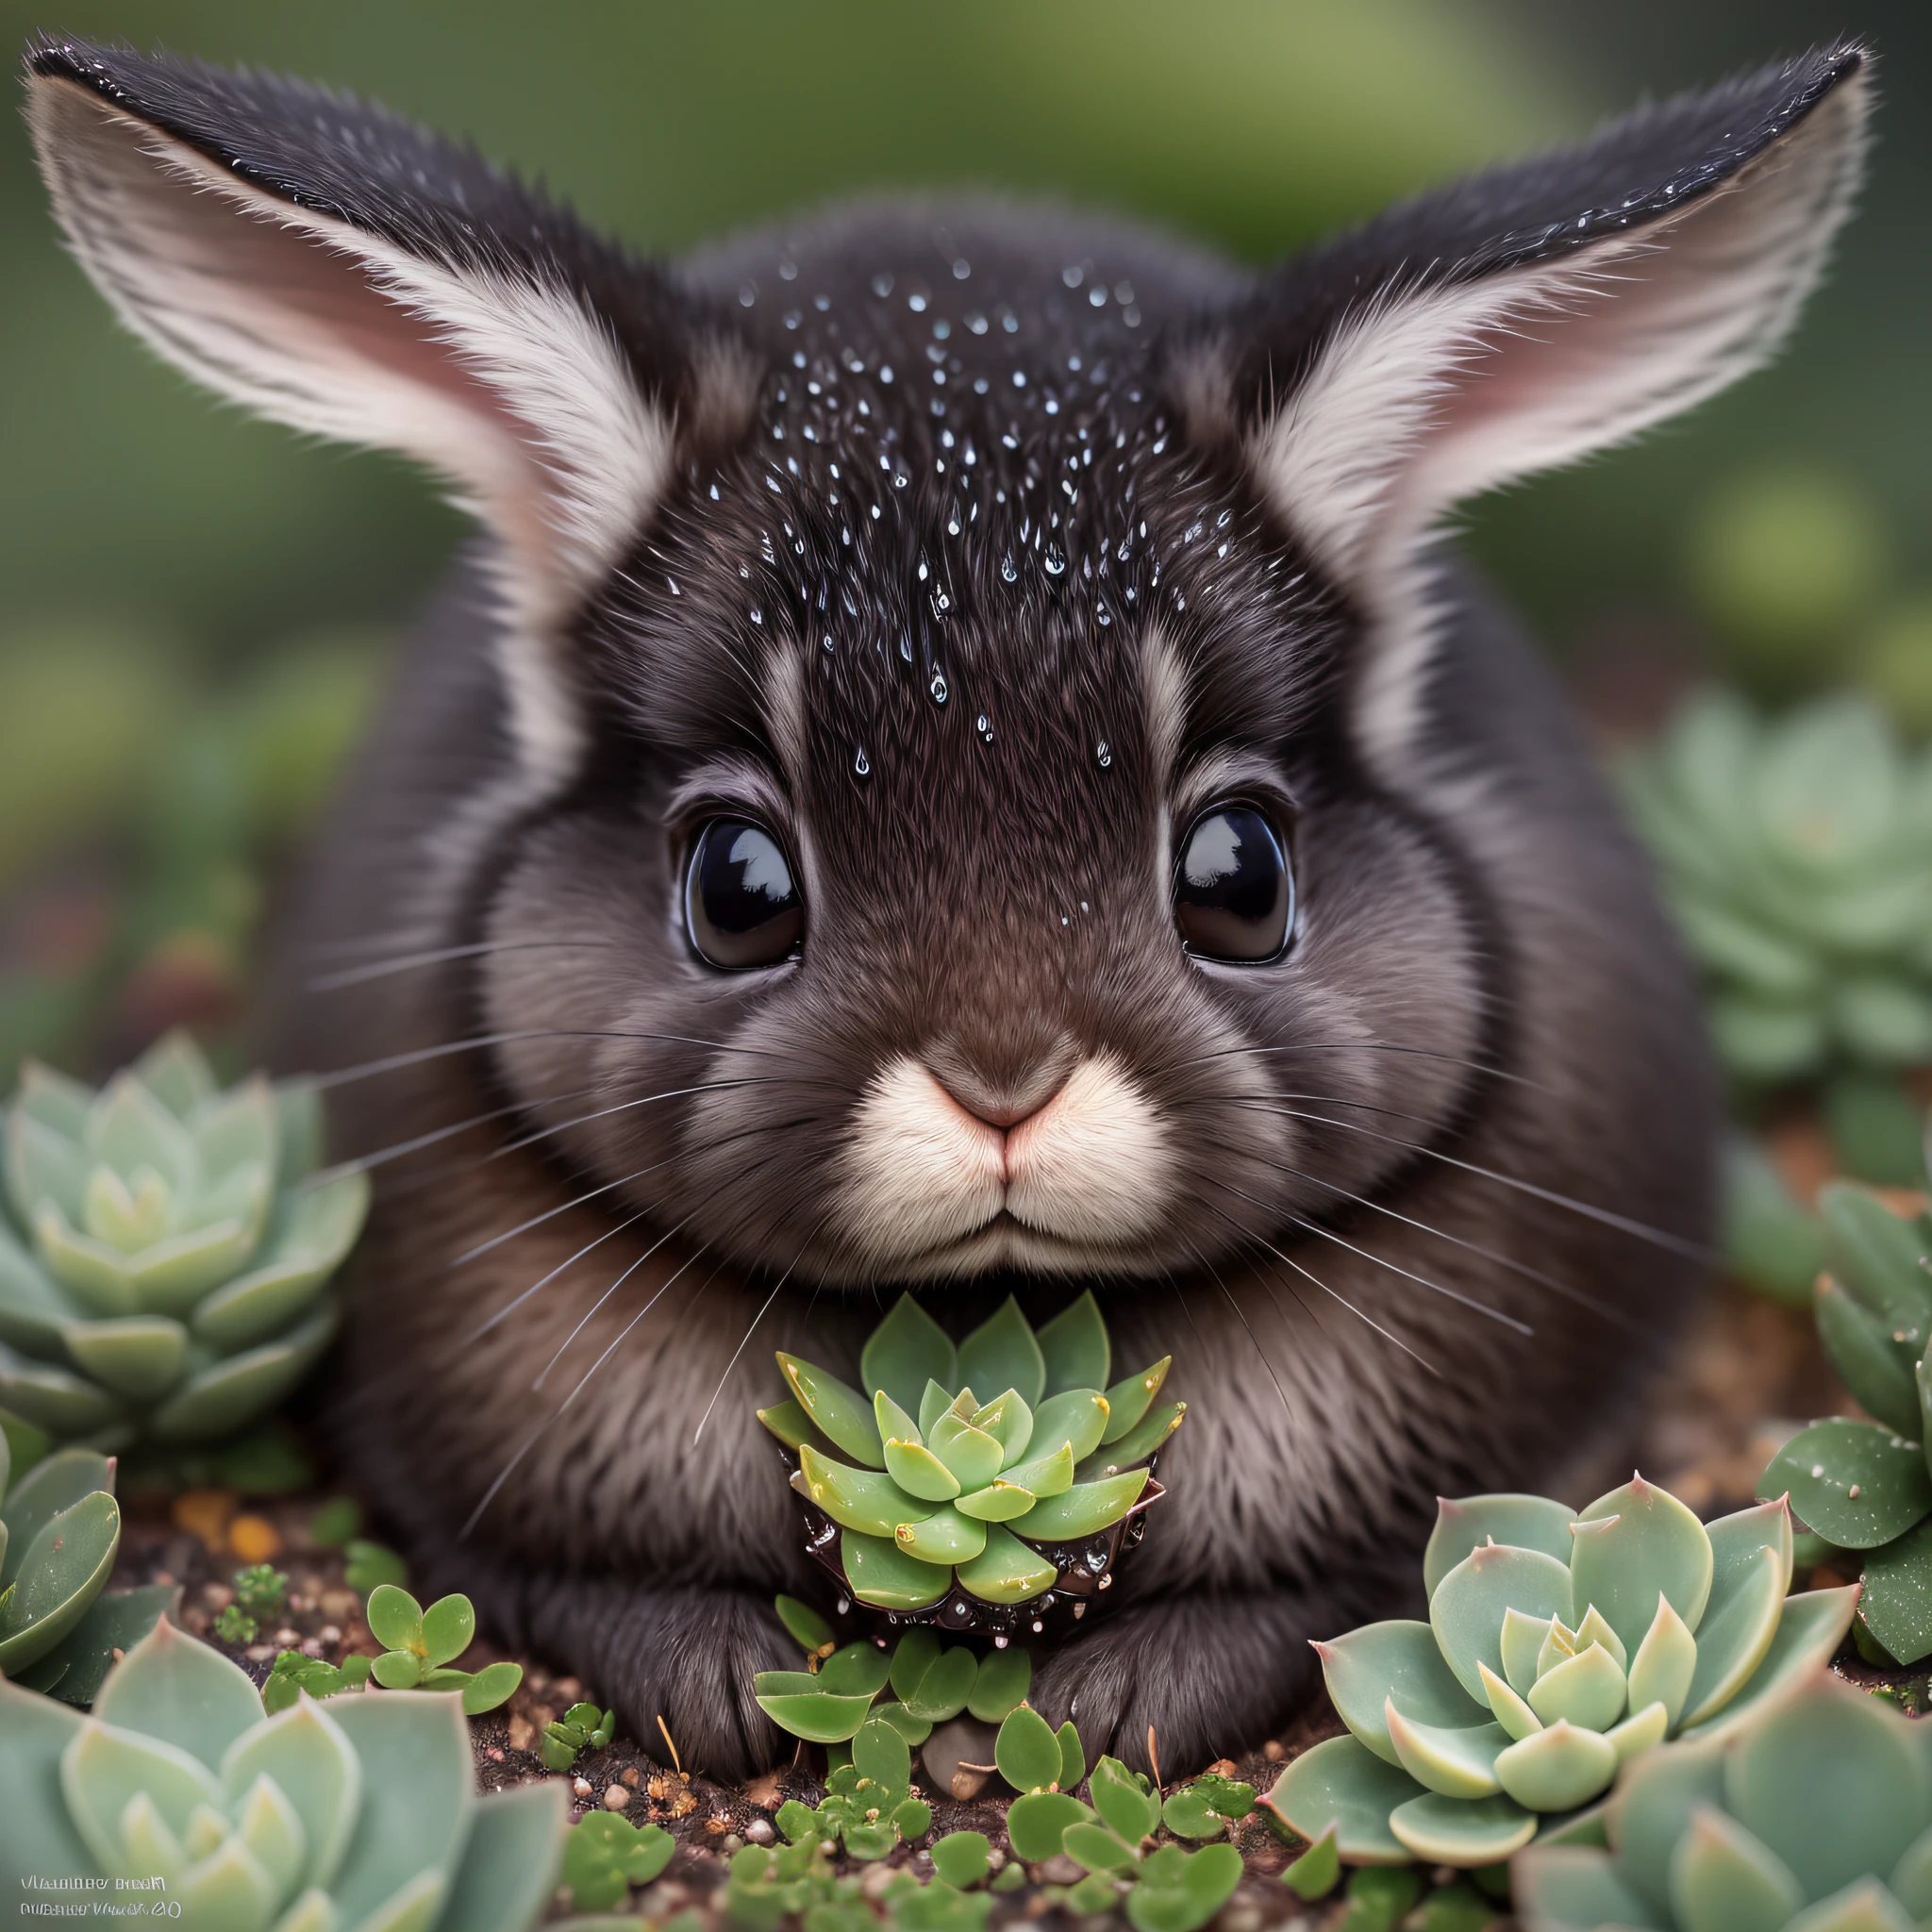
[1519, 321]
[340, 270]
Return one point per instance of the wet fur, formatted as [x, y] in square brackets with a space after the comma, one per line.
[1481, 968]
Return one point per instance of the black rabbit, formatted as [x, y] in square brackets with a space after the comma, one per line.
[960, 762]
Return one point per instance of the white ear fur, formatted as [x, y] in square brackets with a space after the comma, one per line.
[1422, 400]
[506, 386]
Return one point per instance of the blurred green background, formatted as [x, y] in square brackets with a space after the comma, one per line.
[197, 607]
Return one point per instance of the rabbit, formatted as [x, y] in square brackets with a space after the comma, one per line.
[960, 762]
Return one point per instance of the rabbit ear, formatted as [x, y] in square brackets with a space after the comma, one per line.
[343, 272]
[1520, 321]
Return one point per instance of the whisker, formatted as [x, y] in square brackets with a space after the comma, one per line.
[394, 1062]
[1563, 1288]
[440, 956]
[1315, 1227]
[551, 1214]
[718, 1391]
[511, 1307]
[536, 1435]
[1453, 1059]
[1676, 1245]
[1241, 1315]
[591, 1311]
[531, 1139]
[401, 1149]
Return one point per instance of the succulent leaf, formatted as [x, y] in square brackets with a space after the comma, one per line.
[1896, 1605]
[1586, 1690]
[1735, 1635]
[1447, 1831]
[1000, 1685]
[1821, 1465]
[1006, 1572]
[1457, 1763]
[933, 1403]
[1645, 1727]
[1521, 1642]
[1811, 1628]
[1722, 1876]
[1340, 1785]
[940, 1691]
[1123, 1801]
[1512, 1712]
[1735, 1540]
[1396, 1661]
[1009, 1421]
[788, 1421]
[1665, 1663]
[1037, 1823]
[1465, 1525]
[1563, 1766]
[1045, 1476]
[905, 1351]
[138, 1358]
[61, 1572]
[794, 1699]
[912, 1470]
[837, 1410]
[1466, 1609]
[855, 1670]
[1876, 1368]
[1075, 1347]
[1002, 1353]
[944, 1536]
[1630, 1544]
[895, 1424]
[1001, 1501]
[1876, 1254]
[217, 1400]
[1082, 1509]
[1027, 1752]
[1137, 1445]
[1078, 1416]
[1128, 1399]
[884, 1575]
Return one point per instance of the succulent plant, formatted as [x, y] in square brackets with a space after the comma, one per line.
[293, 1673]
[582, 1727]
[1815, 1814]
[421, 1646]
[869, 1806]
[1162, 1888]
[59, 1530]
[359, 1819]
[166, 1278]
[1867, 1485]
[1559, 1645]
[923, 1496]
[840, 1689]
[1798, 856]
[606, 1855]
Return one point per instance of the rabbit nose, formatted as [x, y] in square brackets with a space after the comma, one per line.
[1001, 1103]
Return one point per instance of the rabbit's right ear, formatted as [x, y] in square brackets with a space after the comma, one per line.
[342, 271]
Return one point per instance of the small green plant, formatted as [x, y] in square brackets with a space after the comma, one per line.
[166, 1281]
[1867, 1487]
[335, 1523]
[868, 1806]
[235, 1627]
[359, 1818]
[931, 1683]
[368, 1566]
[582, 1727]
[606, 1855]
[1795, 855]
[293, 1673]
[1206, 1807]
[262, 1590]
[1817, 1813]
[59, 1531]
[422, 1645]
[934, 1493]
[1559, 1645]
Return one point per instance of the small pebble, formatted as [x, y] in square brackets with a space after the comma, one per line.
[331, 1634]
[1240, 1918]
[1059, 1870]
[495, 1753]
[217, 1596]
[718, 1821]
[996, 1859]
[287, 1638]
[522, 1733]
[876, 1878]
[581, 1786]
[759, 1831]
[568, 1691]
[1272, 1752]
[260, 1653]
[313, 1646]
[631, 1776]
[616, 1798]
[341, 1606]
[732, 1843]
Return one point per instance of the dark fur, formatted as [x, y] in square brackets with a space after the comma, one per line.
[984, 896]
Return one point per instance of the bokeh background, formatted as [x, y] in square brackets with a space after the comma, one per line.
[195, 608]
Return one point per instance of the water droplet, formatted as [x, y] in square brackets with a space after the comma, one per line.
[984, 726]
[917, 304]
[1102, 755]
[861, 765]
[1053, 560]
[828, 644]
[882, 286]
[1010, 570]
[938, 687]
[1071, 275]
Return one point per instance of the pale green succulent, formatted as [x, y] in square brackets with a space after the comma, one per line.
[934, 1490]
[1815, 1816]
[360, 1818]
[1559, 1645]
[163, 1276]
[59, 1530]
[1797, 857]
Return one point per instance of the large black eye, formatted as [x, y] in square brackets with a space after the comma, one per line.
[741, 907]
[1233, 892]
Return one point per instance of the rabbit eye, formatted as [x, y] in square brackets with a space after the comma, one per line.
[1233, 889]
[741, 907]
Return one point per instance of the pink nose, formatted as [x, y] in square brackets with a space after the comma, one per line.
[1004, 1107]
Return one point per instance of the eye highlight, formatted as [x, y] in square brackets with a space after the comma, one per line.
[1233, 887]
[741, 907]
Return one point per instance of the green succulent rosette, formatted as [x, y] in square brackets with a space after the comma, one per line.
[359, 1818]
[924, 1496]
[1559, 1645]
[1867, 1485]
[1816, 1816]
[1797, 857]
[163, 1271]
